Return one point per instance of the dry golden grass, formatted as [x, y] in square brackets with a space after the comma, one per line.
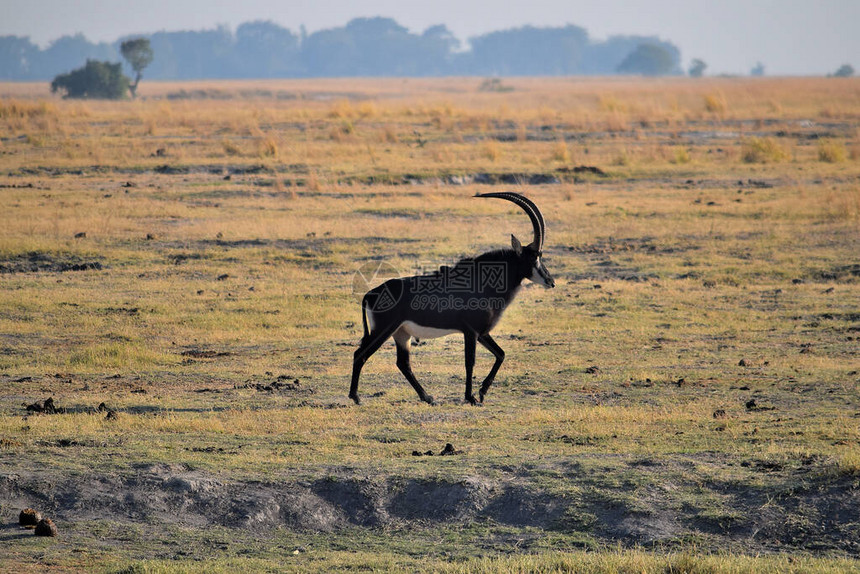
[229, 218]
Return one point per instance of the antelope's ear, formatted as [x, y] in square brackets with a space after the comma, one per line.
[515, 243]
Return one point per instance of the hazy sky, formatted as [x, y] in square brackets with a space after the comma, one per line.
[788, 36]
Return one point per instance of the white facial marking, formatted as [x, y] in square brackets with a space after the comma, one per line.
[421, 332]
[536, 276]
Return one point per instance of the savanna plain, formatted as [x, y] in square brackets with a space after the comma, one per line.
[181, 275]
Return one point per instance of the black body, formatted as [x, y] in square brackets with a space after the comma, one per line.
[468, 298]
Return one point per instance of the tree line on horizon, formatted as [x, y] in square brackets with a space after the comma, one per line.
[363, 47]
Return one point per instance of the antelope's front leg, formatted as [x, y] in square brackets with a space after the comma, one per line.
[499, 354]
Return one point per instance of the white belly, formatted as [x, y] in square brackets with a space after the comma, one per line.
[421, 332]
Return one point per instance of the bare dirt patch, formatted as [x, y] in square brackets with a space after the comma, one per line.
[36, 261]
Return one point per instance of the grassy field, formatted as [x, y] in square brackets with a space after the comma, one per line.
[687, 399]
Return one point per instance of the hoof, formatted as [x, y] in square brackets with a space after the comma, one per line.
[472, 401]
[356, 399]
[428, 399]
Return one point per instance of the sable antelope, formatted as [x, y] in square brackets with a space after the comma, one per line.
[468, 298]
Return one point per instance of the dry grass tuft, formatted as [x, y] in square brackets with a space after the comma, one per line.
[560, 152]
[762, 150]
[716, 103]
[831, 151]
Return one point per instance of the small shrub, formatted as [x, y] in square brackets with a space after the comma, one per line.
[230, 148]
[830, 151]
[560, 152]
[388, 134]
[522, 133]
[343, 132]
[762, 150]
[35, 140]
[17, 109]
[313, 182]
[611, 104]
[341, 109]
[494, 85]
[267, 147]
[715, 103]
[491, 150]
[622, 158]
[95, 80]
[368, 110]
[680, 155]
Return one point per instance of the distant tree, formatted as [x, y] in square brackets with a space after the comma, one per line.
[191, 55]
[17, 55]
[604, 57]
[530, 51]
[648, 60]
[95, 80]
[438, 46]
[266, 50]
[138, 53]
[67, 53]
[697, 68]
[757, 70]
[364, 47]
[844, 71]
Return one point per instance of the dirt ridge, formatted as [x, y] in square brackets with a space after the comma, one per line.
[820, 514]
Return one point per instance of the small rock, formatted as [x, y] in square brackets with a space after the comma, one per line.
[29, 518]
[47, 407]
[223, 276]
[46, 527]
[36, 407]
[743, 363]
[81, 235]
[592, 369]
[720, 414]
[110, 416]
[102, 408]
[448, 450]
[751, 405]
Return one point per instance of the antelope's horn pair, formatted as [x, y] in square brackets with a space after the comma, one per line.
[531, 210]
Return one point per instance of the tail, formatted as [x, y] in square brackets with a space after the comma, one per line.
[364, 314]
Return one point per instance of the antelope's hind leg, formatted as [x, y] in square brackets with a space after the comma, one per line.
[369, 345]
[403, 341]
[470, 337]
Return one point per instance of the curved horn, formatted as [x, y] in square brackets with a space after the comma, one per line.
[531, 210]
